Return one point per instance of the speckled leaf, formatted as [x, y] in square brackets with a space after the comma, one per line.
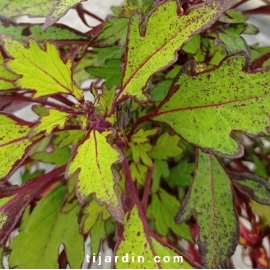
[14, 144]
[15, 8]
[254, 187]
[113, 30]
[59, 10]
[211, 198]
[42, 71]
[22, 31]
[205, 110]
[47, 123]
[135, 239]
[45, 230]
[93, 159]
[151, 46]
[6, 77]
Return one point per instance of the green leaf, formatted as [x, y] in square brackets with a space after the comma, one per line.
[211, 198]
[166, 146]
[205, 110]
[193, 45]
[159, 91]
[134, 239]
[161, 169]
[47, 123]
[22, 31]
[14, 144]
[93, 159]
[162, 209]
[106, 100]
[142, 136]
[254, 187]
[59, 156]
[70, 201]
[262, 210]
[230, 36]
[175, 261]
[28, 175]
[97, 234]
[59, 10]
[46, 229]
[110, 72]
[157, 45]
[113, 30]
[180, 175]
[68, 137]
[91, 212]
[138, 172]
[6, 77]
[94, 219]
[17, 8]
[42, 71]
[140, 152]
[14, 201]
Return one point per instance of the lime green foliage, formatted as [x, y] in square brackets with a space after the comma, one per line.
[95, 216]
[47, 123]
[46, 229]
[56, 32]
[175, 262]
[136, 243]
[230, 36]
[59, 156]
[166, 146]
[180, 175]
[163, 209]
[59, 10]
[110, 72]
[161, 169]
[6, 77]
[106, 100]
[215, 212]
[15, 8]
[3, 215]
[69, 137]
[91, 213]
[138, 172]
[257, 189]
[262, 211]
[14, 144]
[153, 47]
[41, 69]
[206, 116]
[159, 91]
[140, 147]
[93, 159]
[27, 175]
[113, 30]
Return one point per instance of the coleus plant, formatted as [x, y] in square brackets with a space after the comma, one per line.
[178, 102]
